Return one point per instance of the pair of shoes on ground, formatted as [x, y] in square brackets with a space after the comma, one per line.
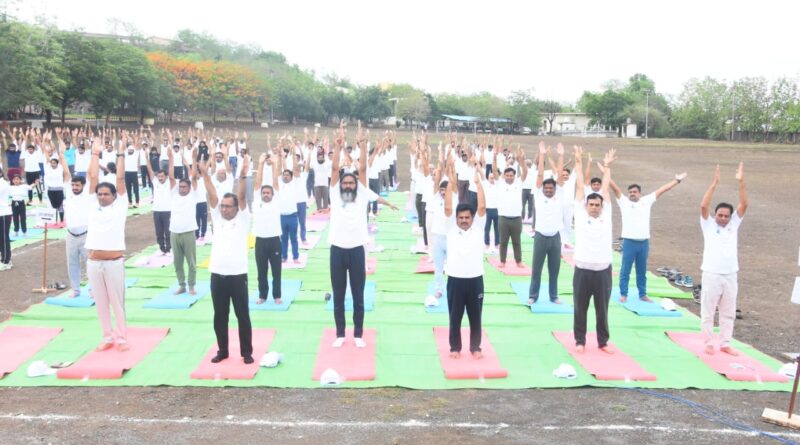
[4, 266]
[220, 357]
[360, 343]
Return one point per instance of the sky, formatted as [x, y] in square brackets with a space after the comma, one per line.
[557, 49]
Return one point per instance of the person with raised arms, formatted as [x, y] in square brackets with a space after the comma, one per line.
[509, 207]
[162, 197]
[182, 227]
[267, 230]
[105, 242]
[228, 263]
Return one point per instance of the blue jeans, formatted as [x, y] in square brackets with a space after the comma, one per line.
[289, 228]
[491, 218]
[439, 257]
[634, 252]
[301, 219]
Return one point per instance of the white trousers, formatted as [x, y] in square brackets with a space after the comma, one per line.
[719, 293]
[107, 283]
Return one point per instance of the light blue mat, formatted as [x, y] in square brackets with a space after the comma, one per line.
[82, 300]
[543, 305]
[168, 300]
[442, 308]
[289, 290]
[642, 308]
[369, 298]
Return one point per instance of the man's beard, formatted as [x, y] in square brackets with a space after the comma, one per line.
[348, 195]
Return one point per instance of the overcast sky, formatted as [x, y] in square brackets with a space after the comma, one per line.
[557, 48]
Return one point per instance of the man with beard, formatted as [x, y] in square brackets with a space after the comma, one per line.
[267, 230]
[348, 237]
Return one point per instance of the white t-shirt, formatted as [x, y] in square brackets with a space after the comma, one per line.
[223, 187]
[569, 189]
[162, 195]
[721, 245]
[267, 217]
[464, 171]
[441, 224]
[54, 177]
[509, 198]
[592, 238]
[110, 178]
[636, 216]
[107, 157]
[77, 208]
[182, 217]
[32, 160]
[5, 191]
[200, 192]
[322, 172]
[82, 161]
[229, 248]
[107, 224]
[300, 192]
[266, 175]
[465, 250]
[530, 180]
[348, 227]
[131, 161]
[490, 194]
[549, 211]
[287, 198]
[163, 154]
[17, 192]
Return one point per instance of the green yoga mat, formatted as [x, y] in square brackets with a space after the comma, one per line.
[406, 350]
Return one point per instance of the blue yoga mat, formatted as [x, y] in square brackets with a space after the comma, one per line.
[167, 299]
[82, 300]
[543, 305]
[369, 298]
[411, 215]
[32, 233]
[642, 308]
[289, 290]
[442, 308]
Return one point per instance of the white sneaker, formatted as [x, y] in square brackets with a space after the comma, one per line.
[338, 342]
[4, 266]
[360, 343]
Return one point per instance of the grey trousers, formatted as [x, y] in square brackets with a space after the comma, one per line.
[76, 256]
[510, 228]
[550, 247]
[184, 247]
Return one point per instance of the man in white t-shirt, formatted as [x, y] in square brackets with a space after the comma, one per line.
[592, 276]
[105, 242]
[348, 237]
[228, 263]
[321, 167]
[440, 223]
[30, 160]
[163, 183]
[635, 212]
[78, 203]
[182, 227]
[720, 263]
[509, 207]
[465, 269]
[548, 198]
[267, 230]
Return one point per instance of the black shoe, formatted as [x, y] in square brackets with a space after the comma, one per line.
[248, 360]
[219, 357]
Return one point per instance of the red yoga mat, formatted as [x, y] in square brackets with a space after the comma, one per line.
[319, 216]
[466, 367]
[350, 362]
[234, 368]
[372, 264]
[424, 266]
[20, 343]
[604, 366]
[110, 364]
[302, 261]
[510, 267]
[739, 368]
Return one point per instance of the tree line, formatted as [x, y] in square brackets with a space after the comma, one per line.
[51, 72]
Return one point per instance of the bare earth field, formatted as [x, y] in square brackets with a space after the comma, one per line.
[768, 244]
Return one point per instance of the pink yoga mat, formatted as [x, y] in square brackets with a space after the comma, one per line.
[315, 225]
[311, 242]
[604, 366]
[110, 364]
[20, 343]
[510, 267]
[318, 216]
[740, 368]
[234, 368]
[350, 362]
[290, 264]
[466, 367]
[155, 261]
[425, 266]
[372, 264]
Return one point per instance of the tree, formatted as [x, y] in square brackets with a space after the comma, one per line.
[87, 71]
[549, 108]
[702, 109]
[605, 108]
[524, 108]
[336, 103]
[371, 103]
[414, 107]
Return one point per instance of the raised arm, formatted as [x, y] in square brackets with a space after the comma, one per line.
[540, 158]
[579, 193]
[669, 186]
[481, 210]
[210, 190]
[94, 165]
[337, 152]
[120, 171]
[706, 202]
[742, 207]
[171, 169]
[522, 164]
[608, 159]
[262, 160]
[362, 162]
[242, 192]
[587, 174]
[614, 187]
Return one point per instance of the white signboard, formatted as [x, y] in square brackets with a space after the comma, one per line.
[45, 216]
[796, 291]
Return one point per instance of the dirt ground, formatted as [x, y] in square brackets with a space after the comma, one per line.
[768, 248]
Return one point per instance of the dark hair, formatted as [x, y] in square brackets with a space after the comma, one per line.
[549, 181]
[162, 171]
[567, 170]
[16, 175]
[594, 196]
[291, 174]
[509, 169]
[112, 167]
[79, 179]
[724, 205]
[111, 188]
[267, 187]
[443, 184]
[596, 180]
[232, 196]
[464, 207]
[635, 186]
[355, 178]
[185, 181]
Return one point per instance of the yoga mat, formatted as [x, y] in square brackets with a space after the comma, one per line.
[369, 298]
[111, 363]
[543, 304]
[311, 242]
[739, 368]
[602, 365]
[168, 300]
[372, 228]
[442, 308]
[372, 264]
[19, 343]
[198, 242]
[411, 215]
[84, 299]
[316, 225]
[32, 233]
[642, 308]
[350, 362]
[234, 368]
[155, 260]
[251, 241]
[419, 247]
[511, 268]
[318, 216]
[290, 264]
[425, 266]
[289, 290]
[466, 367]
